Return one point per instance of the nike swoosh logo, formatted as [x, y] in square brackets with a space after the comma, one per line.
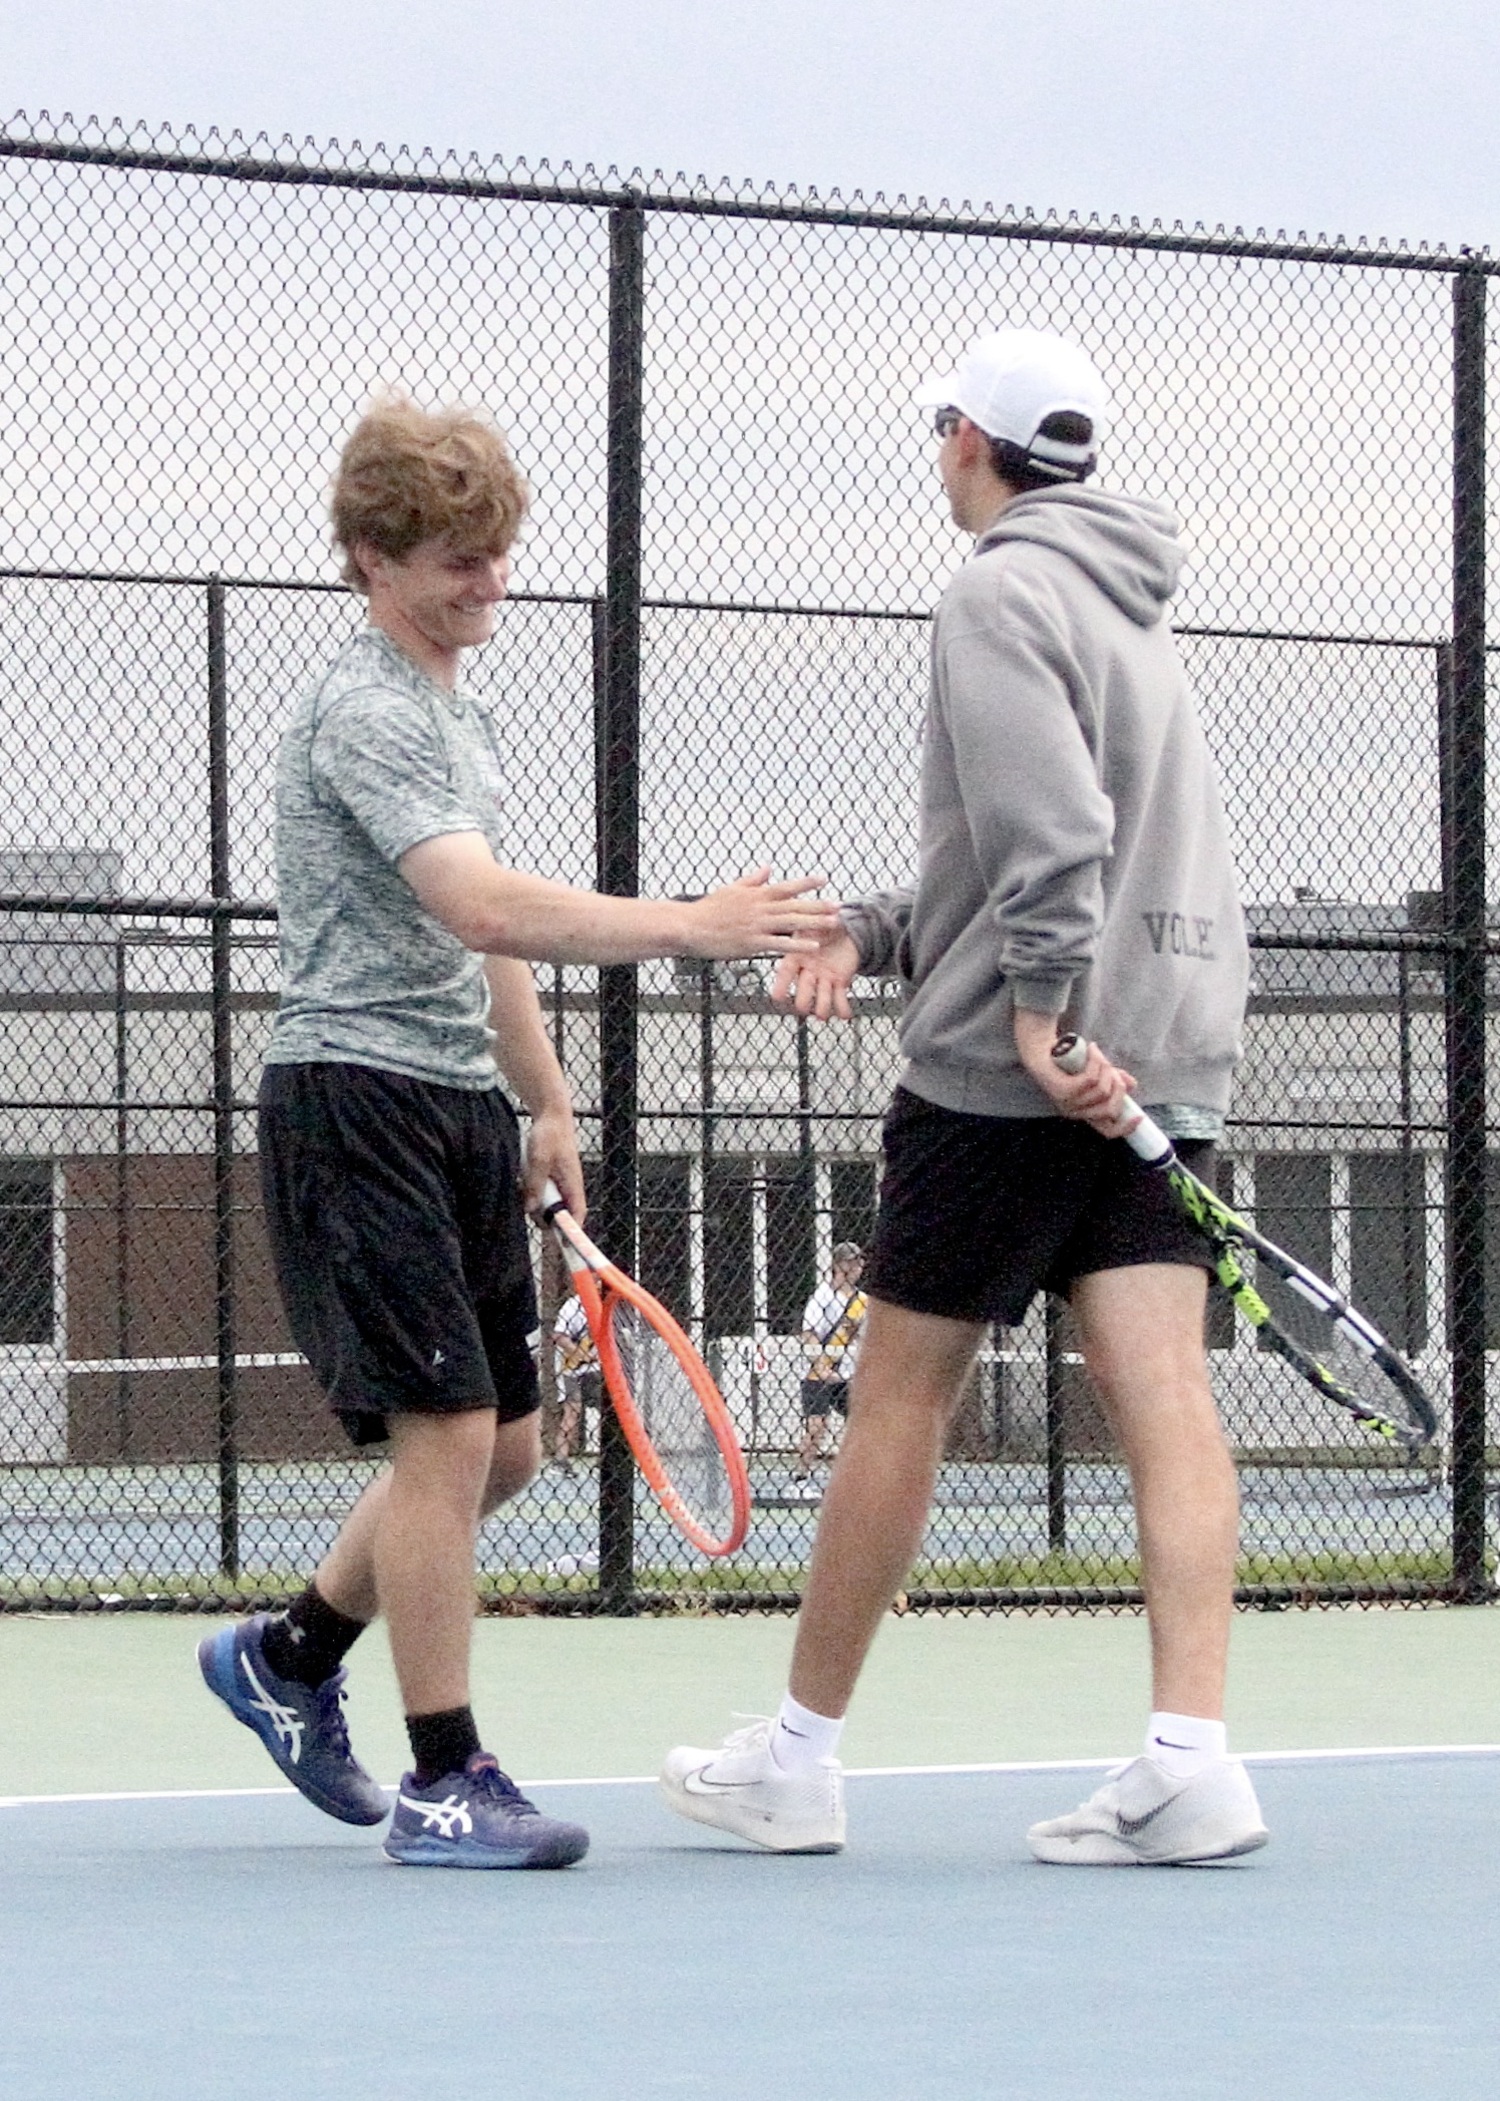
[1130, 1825]
[695, 1784]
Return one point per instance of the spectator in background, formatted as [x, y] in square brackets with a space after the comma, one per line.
[580, 1381]
[830, 1328]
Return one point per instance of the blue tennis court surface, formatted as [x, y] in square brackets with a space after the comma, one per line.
[213, 1948]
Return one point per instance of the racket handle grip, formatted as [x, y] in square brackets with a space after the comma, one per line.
[1147, 1140]
[1070, 1054]
[579, 1252]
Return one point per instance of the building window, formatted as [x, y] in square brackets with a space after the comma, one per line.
[729, 1247]
[851, 1196]
[26, 1248]
[1294, 1207]
[1491, 1254]
[791, 1254]
[731, 1190]
[665, 1243]
[1388, 1244]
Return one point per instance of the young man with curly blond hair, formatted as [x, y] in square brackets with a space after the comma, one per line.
[394, 1174]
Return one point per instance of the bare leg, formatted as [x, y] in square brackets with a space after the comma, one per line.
[1143, 1342]
[517, 1457]
[346, 1577]
[408, 1549]
[424, 1552]
[814, 1429]
[569, 1424]
[346, 1574]
[911, 1367]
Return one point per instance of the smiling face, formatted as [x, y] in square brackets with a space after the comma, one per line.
[434, 601]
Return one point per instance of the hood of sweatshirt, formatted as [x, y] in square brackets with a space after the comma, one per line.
[1127, 545]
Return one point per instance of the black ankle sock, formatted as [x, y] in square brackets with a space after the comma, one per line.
[441, 1743]
[310, 1640]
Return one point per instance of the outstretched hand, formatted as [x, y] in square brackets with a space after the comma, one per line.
[756, 917]
[817, 985]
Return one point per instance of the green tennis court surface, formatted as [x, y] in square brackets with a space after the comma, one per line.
[99, 1704]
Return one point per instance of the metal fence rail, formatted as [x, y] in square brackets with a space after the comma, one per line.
[715, 651]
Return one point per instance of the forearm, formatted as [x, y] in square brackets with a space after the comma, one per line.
[522, 1048]
[502, 912]
[512, 915]
[1035, 1033]
[1098, 1095]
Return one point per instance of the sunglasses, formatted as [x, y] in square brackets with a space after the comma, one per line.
[946, 420]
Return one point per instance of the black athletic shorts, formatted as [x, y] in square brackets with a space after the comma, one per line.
[825, 1397]
[979, 1213]
[393, 1208]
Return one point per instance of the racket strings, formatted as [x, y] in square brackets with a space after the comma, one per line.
[672, 1416]
[1307, 1321]
[1346, 1359]
[1353, 1367]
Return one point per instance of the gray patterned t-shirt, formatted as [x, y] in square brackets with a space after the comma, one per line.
[376, 759]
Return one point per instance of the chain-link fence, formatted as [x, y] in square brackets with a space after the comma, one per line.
[715, 652]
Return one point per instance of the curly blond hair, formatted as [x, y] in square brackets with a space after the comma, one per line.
[407, 475]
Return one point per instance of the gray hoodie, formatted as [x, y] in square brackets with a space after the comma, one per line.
[1073, 856]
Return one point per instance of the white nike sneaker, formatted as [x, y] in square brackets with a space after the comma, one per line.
[741, 1788]
[1143, 1816]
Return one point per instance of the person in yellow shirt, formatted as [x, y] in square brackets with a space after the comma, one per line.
[578, 1373]
[830, 1328]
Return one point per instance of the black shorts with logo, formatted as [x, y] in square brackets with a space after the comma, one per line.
[393, 1209]
[980, 1213]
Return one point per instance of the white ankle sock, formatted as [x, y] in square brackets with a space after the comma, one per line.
[1182, 1744]
[800, 1737]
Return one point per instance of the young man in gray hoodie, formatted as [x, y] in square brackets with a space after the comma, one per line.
[1074, 873]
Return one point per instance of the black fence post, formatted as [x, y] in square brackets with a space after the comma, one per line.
[807, 1166]
[1463, 788]
[617, 703]
[713, 1348]
[124, 1384]
[1057, 1429]
[223, 1087]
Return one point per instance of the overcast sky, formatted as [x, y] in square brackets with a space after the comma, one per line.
[1353, 117]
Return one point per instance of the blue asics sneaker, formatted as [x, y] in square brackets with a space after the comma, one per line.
[478, 1818]
[302, 1726]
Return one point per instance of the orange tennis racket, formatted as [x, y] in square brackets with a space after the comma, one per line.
[672, 1413]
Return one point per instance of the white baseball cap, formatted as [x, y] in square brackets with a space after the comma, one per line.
[1012, 381]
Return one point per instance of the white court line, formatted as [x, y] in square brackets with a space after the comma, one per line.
[147, 1794]
[1392, 1751]
[859, 1772]
[1092, 1765]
